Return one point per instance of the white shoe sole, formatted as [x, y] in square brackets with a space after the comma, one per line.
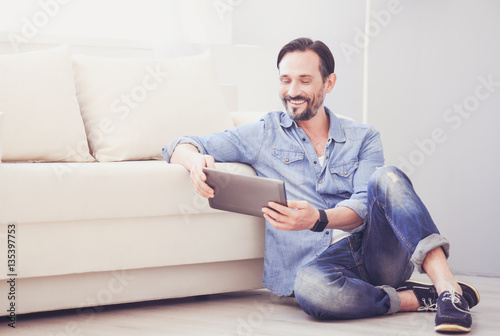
[451, 328]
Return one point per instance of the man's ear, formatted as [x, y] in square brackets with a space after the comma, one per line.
[330, 82]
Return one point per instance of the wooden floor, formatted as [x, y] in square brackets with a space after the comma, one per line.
[245, 313]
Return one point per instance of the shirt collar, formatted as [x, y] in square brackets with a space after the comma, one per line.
[336, 131]
[286, 121]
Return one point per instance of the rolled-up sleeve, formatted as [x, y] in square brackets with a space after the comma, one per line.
[371, 157]
[168, 150]
[240, 144]
[357, 206]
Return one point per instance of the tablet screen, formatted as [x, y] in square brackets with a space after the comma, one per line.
[243, 194]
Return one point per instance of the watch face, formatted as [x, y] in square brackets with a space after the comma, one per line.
[322, 222]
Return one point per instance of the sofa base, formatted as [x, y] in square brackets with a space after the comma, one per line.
[88, 291]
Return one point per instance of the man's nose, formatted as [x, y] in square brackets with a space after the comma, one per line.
[294, 90]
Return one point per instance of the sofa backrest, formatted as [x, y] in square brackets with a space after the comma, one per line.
[114, 103]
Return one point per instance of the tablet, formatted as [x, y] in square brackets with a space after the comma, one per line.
[243, 194]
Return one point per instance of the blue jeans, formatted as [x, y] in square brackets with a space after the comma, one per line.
[356, 276]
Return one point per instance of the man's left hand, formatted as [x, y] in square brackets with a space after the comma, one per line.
[299, 215]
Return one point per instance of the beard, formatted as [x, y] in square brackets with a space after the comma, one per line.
[311, 110]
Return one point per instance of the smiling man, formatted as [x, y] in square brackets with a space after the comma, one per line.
[307, 93]
[353, 231]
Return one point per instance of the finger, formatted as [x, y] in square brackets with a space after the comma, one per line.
[198, 180]
[199, 174]
[209, 191]
[278, 225]
[209, 161]
[280, 208]
[273, 222]
[296, 204]
[270, 220]
[204, 190]
[273, 214]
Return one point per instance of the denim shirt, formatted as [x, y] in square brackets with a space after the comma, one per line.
[276, 147]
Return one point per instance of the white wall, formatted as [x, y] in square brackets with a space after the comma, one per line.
[158, 22]
[426, 94]
[270, 24]
[245, 36]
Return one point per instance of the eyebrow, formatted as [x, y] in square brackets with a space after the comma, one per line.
[300, 76]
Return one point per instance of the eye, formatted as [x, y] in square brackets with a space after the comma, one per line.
[285, 81]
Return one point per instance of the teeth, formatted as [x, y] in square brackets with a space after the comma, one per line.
[297, 101]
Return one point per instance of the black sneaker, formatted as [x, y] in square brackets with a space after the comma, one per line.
[427, 295]
[452, 313]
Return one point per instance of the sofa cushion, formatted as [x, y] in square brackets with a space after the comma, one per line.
[133, 107]
[124, 215]
[42, 119]
[92, 190]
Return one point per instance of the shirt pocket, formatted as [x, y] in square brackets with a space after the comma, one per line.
[289, 165]
[342, 175]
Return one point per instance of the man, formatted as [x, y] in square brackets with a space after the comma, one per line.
[353, 230]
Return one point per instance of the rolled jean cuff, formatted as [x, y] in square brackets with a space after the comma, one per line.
[426, 245]
[394, 299]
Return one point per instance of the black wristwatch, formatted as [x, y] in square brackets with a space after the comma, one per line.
[321, 223]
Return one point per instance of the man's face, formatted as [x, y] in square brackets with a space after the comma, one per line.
[301, 85]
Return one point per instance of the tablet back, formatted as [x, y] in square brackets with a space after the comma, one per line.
[243, 194]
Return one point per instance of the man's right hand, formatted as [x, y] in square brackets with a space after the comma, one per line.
[188, 156]
[198, 177]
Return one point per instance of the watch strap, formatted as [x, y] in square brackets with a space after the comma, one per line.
[321, 223]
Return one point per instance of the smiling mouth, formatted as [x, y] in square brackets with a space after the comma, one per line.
[296, 101]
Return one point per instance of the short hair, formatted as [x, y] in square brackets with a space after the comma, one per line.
[327, 63]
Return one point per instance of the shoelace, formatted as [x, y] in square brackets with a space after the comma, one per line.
[428, 306]
[454, 298]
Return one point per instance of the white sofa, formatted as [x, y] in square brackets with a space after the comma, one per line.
[99, 217]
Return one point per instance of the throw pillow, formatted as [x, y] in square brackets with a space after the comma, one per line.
[42, 120]
[133, 107]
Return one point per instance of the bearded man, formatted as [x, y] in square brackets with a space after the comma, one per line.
[353, 231]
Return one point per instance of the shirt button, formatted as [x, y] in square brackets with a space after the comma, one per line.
[303, 139]
[315, 162]
[345, 173]
[320, 181]
[327, 233]
[286, 160]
